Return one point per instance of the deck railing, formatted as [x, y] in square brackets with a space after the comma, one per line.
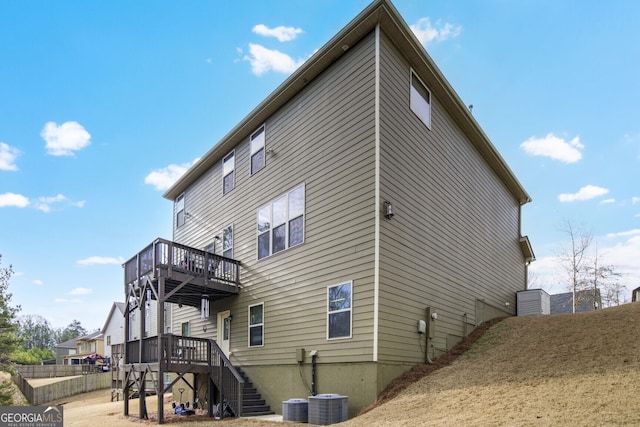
[178, 257]
[198, 351]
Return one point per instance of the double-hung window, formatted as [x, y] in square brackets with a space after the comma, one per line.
[179, 210]
[227, 248]
[420, 100]
[256, 325]
[339, 311]
[228, 172]
[257, 150]
[281, 223]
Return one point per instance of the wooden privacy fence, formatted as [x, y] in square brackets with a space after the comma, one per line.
[62, 388]
[49, 371]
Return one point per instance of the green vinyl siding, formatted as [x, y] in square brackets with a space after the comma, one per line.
[454, 238]
[323, 138]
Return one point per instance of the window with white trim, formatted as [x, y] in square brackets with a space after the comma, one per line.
[339, 311]
[227, 248]
[227, 242]
[179, 210]
[281, 223]
[256, 325]
[228, 172]
[257, 150]
[420, 100]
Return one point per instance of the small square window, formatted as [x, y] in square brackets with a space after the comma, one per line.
[420, 100]
[179, 210]
[228, 172]
[257, 150]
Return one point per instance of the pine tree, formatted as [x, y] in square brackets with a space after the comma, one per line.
[8, 328]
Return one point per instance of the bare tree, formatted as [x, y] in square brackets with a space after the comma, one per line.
[574, 259]
[604, 278]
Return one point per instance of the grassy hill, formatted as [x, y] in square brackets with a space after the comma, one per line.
[578, 369]
[559, 370]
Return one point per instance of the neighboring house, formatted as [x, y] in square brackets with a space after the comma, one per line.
[88, 345]
[635, 295]
[66, 348]
[113, 329]
[585, 301]
[357, 222]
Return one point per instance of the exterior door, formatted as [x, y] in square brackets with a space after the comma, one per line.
[224, 331]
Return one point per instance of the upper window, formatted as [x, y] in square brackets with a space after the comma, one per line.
[281, 223]
[256, 325]
[179, 209]
[228, 172]
[227, 242]
[420, 99]
[257, 150]
[339, 311]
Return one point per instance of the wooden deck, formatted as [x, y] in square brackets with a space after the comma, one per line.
[189, 273]
[169, 272]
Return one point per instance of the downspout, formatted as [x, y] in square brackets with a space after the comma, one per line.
[313, 373]
[376, 261]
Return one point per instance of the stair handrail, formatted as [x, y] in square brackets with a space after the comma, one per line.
[234, 401]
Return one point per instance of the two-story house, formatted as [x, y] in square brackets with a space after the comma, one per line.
[357, 222]
[88, 347]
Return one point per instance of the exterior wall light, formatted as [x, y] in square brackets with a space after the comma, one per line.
[388, 210]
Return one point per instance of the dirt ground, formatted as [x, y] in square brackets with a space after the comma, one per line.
[570, 370]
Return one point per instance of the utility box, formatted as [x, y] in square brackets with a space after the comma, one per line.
[533, 301]
[295, 410]
[327, 409]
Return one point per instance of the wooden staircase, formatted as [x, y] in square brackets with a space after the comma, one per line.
[252, 402]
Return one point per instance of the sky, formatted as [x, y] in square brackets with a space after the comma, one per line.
[104, 104]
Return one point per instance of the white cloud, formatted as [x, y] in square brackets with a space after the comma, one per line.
[635, 200]
[165, 177]
[282, 33]
[8, 155]
[64, 300]
[66, 139]
[585, 193]
[554, 147]
[99, 260]
[12, 199]
[426, 32]
[607, 201]
[634, 232]
[38, 282]
[44, 203]
[263, 60]
[81, 291]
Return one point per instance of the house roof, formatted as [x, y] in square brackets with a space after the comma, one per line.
[67, 344]
[563, 303]
[92, 336]
[115, 306]
[383, 13]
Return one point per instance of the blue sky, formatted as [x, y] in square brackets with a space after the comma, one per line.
[104, 104]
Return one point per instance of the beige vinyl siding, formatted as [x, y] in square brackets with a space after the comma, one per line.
[454, 236]
[322, 138]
